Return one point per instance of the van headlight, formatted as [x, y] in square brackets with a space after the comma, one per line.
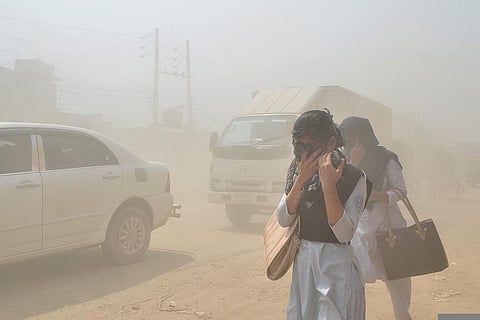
[215, 184]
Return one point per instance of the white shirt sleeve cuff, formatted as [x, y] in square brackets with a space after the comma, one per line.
[393, 197]
[284, 217]
[343, 229]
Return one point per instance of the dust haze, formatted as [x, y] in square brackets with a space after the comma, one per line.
[411, 66]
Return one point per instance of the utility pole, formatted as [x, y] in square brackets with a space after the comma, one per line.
[156, 73]
[188, 86]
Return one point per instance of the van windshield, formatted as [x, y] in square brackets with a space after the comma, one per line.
[258, 131]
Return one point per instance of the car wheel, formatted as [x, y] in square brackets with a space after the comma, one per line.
[128, 236]
[239, 215]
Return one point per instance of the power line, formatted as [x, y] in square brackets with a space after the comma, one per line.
[56, 25]
[8, 32]
[129, 103]
[138, 106]
[180, 62]
[182, 47]
[55, 54]
[107, 89]
[106, 102]
[147, 53]
[221, 82]
[134, 106]
[133, 95]
[175, 74]
[180, 55]
[13, 15]
[104, 97]
[64, 43]
[84, 29]
[147, 35]
[150, 43]
[109, 93]
[8, 38]
[94, 55]
[167, 56]
[39, 55]
[8, 62]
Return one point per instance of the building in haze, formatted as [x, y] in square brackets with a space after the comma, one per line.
[28, 93]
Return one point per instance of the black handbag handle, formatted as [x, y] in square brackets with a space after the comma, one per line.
[422, 232]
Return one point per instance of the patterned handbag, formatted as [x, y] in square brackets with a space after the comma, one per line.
[413, 250]
[280, 246]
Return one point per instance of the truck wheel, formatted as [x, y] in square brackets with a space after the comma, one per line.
[128, 236]
[238, 215]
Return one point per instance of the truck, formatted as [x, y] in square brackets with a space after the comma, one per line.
[250, 158]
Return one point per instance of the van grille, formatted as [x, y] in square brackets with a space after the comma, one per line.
[245, 185]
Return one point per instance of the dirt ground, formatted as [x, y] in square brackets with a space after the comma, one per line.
[201, 267]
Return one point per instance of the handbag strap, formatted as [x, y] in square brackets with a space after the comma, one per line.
[422, 232]
[391, 237]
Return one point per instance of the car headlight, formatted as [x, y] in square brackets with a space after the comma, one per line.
[215, 184]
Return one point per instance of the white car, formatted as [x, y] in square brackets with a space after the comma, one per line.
[63, 188]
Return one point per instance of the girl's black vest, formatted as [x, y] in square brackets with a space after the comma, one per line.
[314, 224]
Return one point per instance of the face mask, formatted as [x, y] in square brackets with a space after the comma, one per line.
[300, 148]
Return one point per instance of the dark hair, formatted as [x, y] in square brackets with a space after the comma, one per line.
[361, 128]
[317, 124]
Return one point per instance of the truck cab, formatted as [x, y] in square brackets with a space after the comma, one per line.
[249, 164]
[250, 158]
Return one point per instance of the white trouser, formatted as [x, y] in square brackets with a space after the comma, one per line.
[400, 291]
[326, 283]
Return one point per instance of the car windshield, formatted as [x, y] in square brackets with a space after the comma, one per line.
[258, 131]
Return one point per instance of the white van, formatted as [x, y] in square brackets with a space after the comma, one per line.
[250, 158]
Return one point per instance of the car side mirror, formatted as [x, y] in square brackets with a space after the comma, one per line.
[213, 140]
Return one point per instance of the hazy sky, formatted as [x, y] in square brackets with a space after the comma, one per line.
[409, 55]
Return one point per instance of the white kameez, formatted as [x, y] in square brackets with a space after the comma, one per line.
[326, 279]
[364, 241]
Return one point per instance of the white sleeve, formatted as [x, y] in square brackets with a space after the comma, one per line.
[284, 218]
[345, 227]
[395, 180]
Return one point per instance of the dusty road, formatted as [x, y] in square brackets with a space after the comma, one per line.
[200, 266]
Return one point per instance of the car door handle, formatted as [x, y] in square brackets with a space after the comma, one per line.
[111, 176]
[28, 185]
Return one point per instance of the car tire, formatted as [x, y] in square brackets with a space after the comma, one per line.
[128, 236]
[239, 215]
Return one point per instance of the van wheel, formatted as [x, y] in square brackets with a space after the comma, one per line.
[238, 215]
[128, 236]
